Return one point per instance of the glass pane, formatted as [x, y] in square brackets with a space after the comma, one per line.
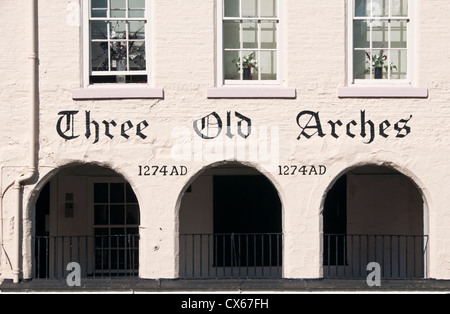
[380, 8]
[362, 7]
[398, 34]
[250, 61]
[118, 8]
[136, 4]
[99, 57]
[231, 8]
[137, 30]
[269, 35]
[100, 192]
[118, 53]
[117, 193]
[249, 8]
[361, 64]
[117, 213]
[268, 65]
[130, 196]
[380, 34]
[250, 34]
[231, 34]
[399, 66]
[99, 30]
[132, 215]
[268, 8]
[230, 65]
[399, 7]
[136, 13]
[361, 34]
[99, 8]
[101, 215]
[118, 30]
[137, 56]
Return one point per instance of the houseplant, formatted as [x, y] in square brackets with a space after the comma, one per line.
[378, 65]
[248, 62]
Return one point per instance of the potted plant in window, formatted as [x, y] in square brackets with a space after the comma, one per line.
[378, 61]
[248, 62]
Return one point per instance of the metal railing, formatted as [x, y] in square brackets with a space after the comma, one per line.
[235, 255]
[400, 256]
[98, 255]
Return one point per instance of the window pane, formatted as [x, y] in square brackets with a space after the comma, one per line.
[361, 34]
[99, 8]
[399, 60]
[380, 8]
[118, 8]
[362, 7]
[250, 61]
[137, 56]
[99, 56]
[137, 30]
[231, 34]
[230, 68]
[268, 65]
[99, 30]
[118, 30]
[132, 214]
[118, 53]
[136, 4]
[100, 192]
[117, 193]
[268, 8]
[361, 64]
[399, 7]
[231, 8]
[117, 215]
[249, 8]
[380, 34]
[250, 34]
[101, 215]
[398, 34]
[268, 35]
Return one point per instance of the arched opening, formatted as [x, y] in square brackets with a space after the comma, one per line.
[230, 225]
[86, 214]
[374, 214]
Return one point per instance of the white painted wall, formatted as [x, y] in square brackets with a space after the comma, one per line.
[183, 65]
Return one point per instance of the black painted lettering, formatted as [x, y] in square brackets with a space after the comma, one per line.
[315, 126]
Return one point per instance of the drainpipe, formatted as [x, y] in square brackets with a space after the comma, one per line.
[31, 172]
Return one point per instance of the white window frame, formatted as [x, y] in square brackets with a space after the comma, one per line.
[220, 49]
[87, 43]
[411, 48]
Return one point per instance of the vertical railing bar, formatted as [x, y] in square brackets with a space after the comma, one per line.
[390, 256]
[367, 248]
[382, 255]
[239, 259]
[223, 255]
[398, 256]
[414, 256]
[336, 256]
[216, 257]
[352, 256]
[406, 256]
[193, 256]
[201, 256]
[118, 249]
[262, 255]
[246, 254]
[359, 259]
[185, 255]
[37, 241]
[209, 256]
[254, 255]
[63, 257]
[329, 255]
[231, 254]
[55, 261]
[270, 255]
[86, 258]
[344, 257]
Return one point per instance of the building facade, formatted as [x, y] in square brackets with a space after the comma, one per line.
[225, 138]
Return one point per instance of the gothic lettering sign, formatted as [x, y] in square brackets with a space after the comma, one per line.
[311, 125]
[210, 126]
[66, 128]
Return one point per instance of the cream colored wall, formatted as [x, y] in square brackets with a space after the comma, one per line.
[183, 65]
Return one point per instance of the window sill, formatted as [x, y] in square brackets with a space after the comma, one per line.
[251, 92]
[382, 92]
[117, 92]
